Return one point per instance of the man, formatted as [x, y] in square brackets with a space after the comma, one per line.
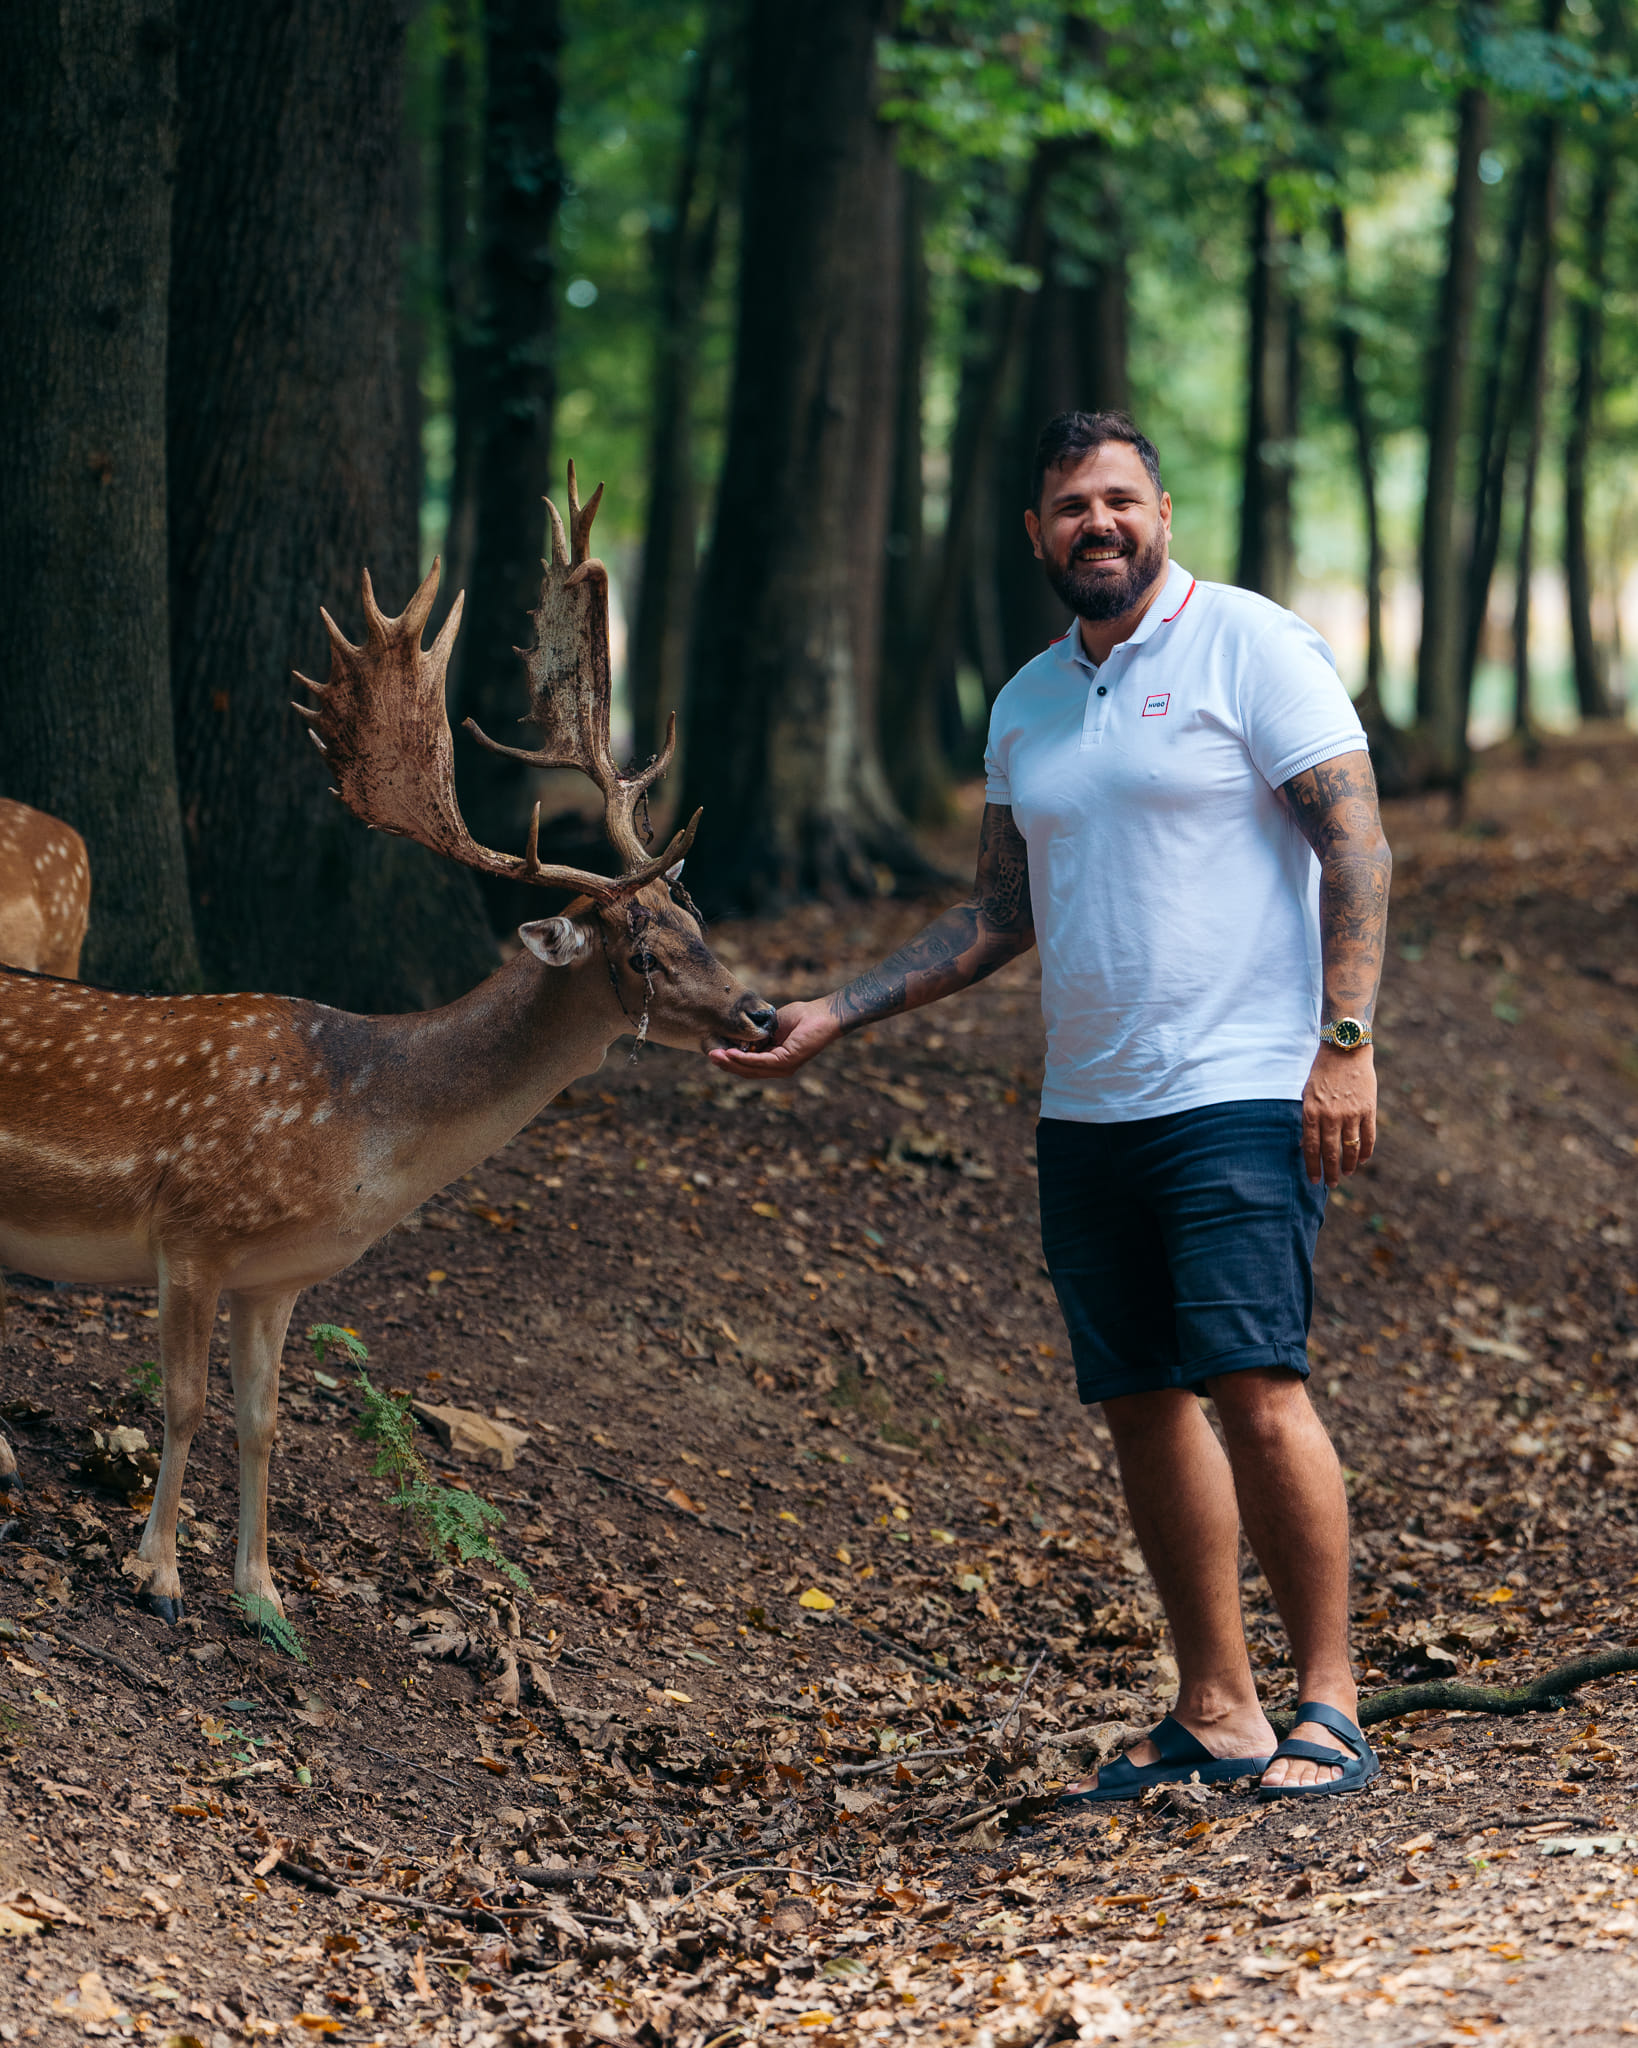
[1181, 811]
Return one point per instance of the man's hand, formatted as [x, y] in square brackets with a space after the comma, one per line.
[1338, 1113]
[800, 1031]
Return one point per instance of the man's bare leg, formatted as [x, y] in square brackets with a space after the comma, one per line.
[1295, 1511]
[1181, 1498]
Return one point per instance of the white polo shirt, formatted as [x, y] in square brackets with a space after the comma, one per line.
[1176, 902]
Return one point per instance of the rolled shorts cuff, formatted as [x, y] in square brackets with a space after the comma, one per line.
[1094, 1384]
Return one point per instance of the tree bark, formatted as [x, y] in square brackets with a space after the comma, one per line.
[458, 203]
[512, 456]
[286, 478]
[1386, 748]
[1267, 550]
[779, 752]
[1533, 383]
[1441, 700]
[87, 154]
[1592, 688]
[911, 751]
[685, 255]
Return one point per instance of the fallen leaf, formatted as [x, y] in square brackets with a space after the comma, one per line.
[683, 1699]
[679, 1499]
[91, 2002]
[815, 1601]
[318, 2023]
[12, 1922]
[769, 1209]
[468, 1434]
[418, 1974]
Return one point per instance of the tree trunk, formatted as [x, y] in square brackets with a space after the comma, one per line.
[1267, 550]
[1356, 406]
[512, 456]
[780, 753]
[685, 255]
[458, 203]
[88, 154]
[1533, 382]
[911, 752]
[286, 478]
[1441, 702]
[1592, 689]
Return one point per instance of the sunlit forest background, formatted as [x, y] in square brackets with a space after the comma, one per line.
[799, 281]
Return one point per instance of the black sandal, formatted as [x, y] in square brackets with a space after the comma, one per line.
[1358, 1769]
[1181, 1757]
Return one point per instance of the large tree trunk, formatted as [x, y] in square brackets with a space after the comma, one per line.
[1267, 539]
[458, 206]
[87, 153]
[1592, 689]
[1074, 359]
[911, 750]
[780, 752]
[512, 458]
[1441, 699]
[1385, 745]
[286, 478]
[685, 255]
[1533, 385]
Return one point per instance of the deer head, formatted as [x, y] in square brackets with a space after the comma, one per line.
[382, 726]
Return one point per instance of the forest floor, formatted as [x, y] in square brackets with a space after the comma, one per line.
[831, 1582]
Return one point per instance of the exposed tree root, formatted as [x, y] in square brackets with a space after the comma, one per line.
[1552, 1689]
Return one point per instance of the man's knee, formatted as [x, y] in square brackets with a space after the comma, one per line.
[1262, 1404]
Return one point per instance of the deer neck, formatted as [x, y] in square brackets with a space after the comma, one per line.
[457, 1083]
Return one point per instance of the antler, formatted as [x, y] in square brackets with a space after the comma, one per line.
[568, 673]
[382, 727]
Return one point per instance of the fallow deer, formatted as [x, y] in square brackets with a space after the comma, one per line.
[250, 1145]
[45, 892]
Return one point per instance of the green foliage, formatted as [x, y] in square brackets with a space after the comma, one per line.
[455, 1524]
[145, 1378]
[327, 1336]
[270, 1625]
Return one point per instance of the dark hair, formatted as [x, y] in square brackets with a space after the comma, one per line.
[1074, 434]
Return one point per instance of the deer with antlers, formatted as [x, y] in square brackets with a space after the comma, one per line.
[250, 1145]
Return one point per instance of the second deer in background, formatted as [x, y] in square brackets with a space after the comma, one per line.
[45, 892]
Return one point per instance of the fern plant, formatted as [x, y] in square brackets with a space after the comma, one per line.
[455, 1524]
[270, 1625]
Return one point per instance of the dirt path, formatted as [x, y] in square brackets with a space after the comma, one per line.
[829, 1574]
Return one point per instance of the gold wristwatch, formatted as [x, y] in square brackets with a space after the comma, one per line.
[1347, 1034]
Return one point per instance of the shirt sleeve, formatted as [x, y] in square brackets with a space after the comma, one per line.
[1296, 713]
[997, 783]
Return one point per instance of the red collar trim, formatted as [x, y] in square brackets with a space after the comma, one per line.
[1167, 620]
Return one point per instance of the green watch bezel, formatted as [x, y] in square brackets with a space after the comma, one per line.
[1347, 1034]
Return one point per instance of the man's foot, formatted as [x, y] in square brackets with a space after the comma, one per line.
[1298, 1771]
[1323, 1732]
[1240, 1735]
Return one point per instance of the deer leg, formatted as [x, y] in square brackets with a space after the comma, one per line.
[187, 1307]
[259, 1322]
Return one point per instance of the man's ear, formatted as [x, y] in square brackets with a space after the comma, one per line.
[1032, 526]
[559, 941]
[674, 871]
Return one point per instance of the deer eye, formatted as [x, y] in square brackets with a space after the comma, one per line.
[642, 960]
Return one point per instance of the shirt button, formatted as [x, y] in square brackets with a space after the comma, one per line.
[1103, 690]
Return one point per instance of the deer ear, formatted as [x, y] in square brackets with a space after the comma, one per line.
[674, 871]
[559, 941]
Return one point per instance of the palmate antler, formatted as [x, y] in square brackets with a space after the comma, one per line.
[382, 726]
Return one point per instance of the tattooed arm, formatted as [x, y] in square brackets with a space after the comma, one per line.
[1335, 807]
[971, 940]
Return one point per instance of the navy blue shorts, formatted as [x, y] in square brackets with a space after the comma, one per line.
[1180, 1246]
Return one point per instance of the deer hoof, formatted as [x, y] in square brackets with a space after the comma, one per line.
[163, 1605]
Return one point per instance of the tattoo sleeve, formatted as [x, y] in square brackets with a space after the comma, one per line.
[1335, 807]
[971, 940]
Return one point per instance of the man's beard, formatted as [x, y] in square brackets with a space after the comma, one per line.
[1093, 592]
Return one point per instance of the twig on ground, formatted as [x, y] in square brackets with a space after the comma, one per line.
[545, 1879]
[409, 1764]
[908, 1656]
[889, 1763]
[658, 1500]
[132, 1671]
[1023, 1691]
[1455, 1695]
[491, 1918]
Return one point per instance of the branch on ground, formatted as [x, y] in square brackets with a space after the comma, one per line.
[1552, 1689]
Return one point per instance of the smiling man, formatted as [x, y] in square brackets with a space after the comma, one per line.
[1181, 812]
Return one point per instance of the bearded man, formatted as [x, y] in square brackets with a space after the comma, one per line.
[1181, 812]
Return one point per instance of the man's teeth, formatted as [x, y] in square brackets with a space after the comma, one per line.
[1099, 554]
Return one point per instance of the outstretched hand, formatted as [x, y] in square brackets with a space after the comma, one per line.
[800, 1030]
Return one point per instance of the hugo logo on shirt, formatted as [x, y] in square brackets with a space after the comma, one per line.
[1157, 706]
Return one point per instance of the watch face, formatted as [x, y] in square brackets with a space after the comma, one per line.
[1347, 1033]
